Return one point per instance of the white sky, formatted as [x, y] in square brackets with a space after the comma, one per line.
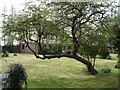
[18, 4]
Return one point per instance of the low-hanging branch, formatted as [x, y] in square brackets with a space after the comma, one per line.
[73, 56]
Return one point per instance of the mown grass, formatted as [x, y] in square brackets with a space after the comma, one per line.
[62, 73]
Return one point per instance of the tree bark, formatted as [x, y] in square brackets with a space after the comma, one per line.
[88, 64]
[75, 50]
[94, 62]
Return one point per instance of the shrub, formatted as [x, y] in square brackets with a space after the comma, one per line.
[109, 57]
[17, 77]
[99, 57]
[106, 70]
[117, 65]
[5, 54]
[15, 54]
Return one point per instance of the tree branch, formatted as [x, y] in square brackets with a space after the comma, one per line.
[33, 40]
[88, 18]
[26, 41]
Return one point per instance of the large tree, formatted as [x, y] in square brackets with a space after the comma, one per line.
[83, 22]
[72, 23]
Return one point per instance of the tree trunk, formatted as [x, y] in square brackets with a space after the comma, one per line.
[94, 62]
[88, 64]
[91, 69]
[74, 51]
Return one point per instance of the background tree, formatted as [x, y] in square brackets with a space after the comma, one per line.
[116, 39]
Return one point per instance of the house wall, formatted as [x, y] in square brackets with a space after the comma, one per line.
[48, 48]
[25, 49]
[11, 49]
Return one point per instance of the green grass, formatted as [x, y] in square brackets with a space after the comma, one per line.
[62, 73]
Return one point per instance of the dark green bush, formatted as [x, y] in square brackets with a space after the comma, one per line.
[15, 54]
[5, 54]
[117, 65]
[17, 77]
[106, 70]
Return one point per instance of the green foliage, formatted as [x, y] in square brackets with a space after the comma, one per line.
[103, 52]
[106, 70]
[88, 51]
[109, 57]
[5, 54]
[98, 57]
[117, 65]
[17, 77]
[46, 51]
[116, 39]
[57, 48]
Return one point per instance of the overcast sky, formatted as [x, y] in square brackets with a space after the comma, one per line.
[7, 4]
[18, 4]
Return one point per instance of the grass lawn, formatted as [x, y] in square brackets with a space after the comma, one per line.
[62, 73]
